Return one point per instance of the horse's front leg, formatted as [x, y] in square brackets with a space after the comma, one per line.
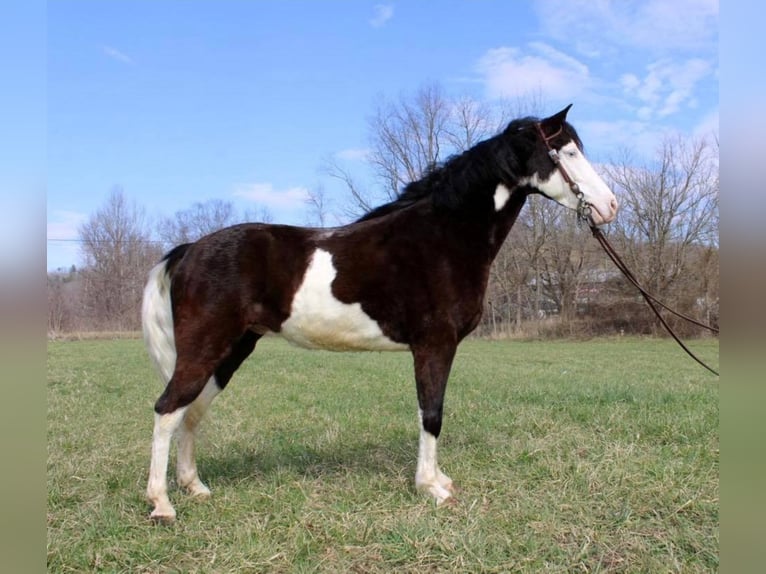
[432, 367]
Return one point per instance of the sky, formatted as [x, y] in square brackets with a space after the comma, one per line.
[179, 102]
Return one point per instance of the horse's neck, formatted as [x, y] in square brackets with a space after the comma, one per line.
[476, 238]
[503, 222]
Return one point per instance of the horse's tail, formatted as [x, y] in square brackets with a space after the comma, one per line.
[157, 313]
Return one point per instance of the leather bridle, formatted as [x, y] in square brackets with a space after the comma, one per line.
[584, 214]
[584, 208]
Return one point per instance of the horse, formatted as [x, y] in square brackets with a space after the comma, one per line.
[409, 275]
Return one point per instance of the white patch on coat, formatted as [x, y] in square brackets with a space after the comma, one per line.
[501, 197]
[319, 321]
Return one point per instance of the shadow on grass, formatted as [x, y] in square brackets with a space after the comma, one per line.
[242, 461]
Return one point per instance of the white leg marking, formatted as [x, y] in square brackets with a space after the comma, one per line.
[186, 469]
[428, 477]
[502, 195]
[157, 488]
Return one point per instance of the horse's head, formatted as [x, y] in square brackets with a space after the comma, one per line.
[558, 157]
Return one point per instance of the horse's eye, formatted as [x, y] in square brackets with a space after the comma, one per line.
[571, 153]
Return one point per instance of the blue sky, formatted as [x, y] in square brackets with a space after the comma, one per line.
[179, 102]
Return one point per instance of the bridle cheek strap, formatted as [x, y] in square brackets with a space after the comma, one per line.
[583, 207]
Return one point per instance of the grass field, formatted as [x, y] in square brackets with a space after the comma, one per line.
[597, 456]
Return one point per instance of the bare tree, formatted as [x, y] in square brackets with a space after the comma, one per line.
[668, 217]
[58, 311]
[470, 122]
[202, 218]
[542, 265]
[508, 293]
[188, 225]
[317, 202]
[515, 276]
[117, 253]
[410, 135]
[64, 301]
[564, 259]
[667, 207]
[360, 199]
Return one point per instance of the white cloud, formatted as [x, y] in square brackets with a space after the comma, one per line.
[266, 195]
[629, 82]
[615, 136]
[560, 59]
[115, 54]
[513, 72]
[708, 125]
[666, 87]
[353, 154]
[382, 13]
[590, 26]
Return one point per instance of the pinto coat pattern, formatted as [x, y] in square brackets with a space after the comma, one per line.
[410, 275]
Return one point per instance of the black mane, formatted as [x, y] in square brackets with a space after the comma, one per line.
[475, 172]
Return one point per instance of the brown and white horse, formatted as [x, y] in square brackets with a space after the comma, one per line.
[410, 276]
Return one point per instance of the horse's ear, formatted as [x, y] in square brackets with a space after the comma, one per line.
[556, 120]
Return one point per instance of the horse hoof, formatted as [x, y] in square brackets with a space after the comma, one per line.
[200, 491]
[450, 502]
[163, 518]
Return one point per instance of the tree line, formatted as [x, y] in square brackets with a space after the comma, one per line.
[549, 279]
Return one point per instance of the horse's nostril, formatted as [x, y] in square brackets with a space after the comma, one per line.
[613, 204]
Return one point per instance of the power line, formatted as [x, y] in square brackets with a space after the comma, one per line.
[71, 240]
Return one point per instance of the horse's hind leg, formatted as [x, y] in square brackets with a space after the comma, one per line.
[187, 475]
[157, 488]
[186, 470]
[191, 373]
[189, 390]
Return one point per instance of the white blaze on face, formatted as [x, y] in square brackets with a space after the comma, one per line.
[595, 190]
[320, 321]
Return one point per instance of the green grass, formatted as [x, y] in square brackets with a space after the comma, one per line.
[597, 456]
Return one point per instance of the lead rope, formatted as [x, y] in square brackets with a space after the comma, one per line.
[651, 300]
[584, 215]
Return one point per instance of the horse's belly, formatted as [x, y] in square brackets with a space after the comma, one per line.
[354, 331]
[320, 321]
